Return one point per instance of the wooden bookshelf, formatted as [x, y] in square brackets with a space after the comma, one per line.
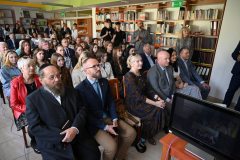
[189, 5]
[8, 18]
[85, 27]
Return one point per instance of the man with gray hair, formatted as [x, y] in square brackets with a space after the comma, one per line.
[140, 37]
[57, 119]
[147, 58]
[47, 51]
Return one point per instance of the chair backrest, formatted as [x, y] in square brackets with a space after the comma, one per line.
[114, 86]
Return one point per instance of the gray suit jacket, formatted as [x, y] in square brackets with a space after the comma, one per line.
[159, 83]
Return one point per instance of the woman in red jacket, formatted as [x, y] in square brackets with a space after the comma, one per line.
[21, 87]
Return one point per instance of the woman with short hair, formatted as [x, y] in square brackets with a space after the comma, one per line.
[9, 70]
[58, 61]
[142, 101]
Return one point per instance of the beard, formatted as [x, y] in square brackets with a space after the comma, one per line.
[97, 75]
[56, 91]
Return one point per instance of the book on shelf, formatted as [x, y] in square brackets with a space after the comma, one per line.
[202, 43]
[1, 21]
[181, 13]
[166, 41]
[83, 23]
[127, 26]
[127, 15]
[104, 16]
[203, 72]
[142, 16]
[33, 21]
[214, 27]
[202, 57]
[1, 14]
[98, 34]
[83, 31]
[202, 14]
[165, 27]
[100, 25]
[164, 15]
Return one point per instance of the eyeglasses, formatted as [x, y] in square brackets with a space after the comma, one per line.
[51, 78]
[94, 67]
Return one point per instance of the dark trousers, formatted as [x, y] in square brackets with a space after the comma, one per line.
[233, 87]
[204, 91]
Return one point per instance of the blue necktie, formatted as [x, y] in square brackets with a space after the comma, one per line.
[99, 95]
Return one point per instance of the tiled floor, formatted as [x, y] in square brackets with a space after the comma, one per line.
[12, 146]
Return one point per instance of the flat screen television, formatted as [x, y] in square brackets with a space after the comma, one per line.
[209, 127]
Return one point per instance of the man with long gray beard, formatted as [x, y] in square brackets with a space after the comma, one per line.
[57, 119]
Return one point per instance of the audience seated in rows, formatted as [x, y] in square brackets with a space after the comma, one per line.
[142, 101]
[106, 68]
[78, 75]
[9, 70]
[189, 75]
[181, 86]
[160, 78]
[58, 61]
[95, 93]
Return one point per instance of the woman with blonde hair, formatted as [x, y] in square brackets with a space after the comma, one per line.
[40, 59]
[184, 41]
[18, 51]
[142, 101]
[9, 70]
[78, 75]
[109, 48]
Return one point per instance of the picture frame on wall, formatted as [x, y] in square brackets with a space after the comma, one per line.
[26, 14]
[39, 15]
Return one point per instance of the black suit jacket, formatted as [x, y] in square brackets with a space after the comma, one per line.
[10, 44]
[30, 31]
[235, 54]
[48, 53]
[47, 30]
[96, 107]
[46, 117]
[146, 65]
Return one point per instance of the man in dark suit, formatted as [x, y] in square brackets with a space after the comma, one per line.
[11, 42]
[65, 30]
[189, 75]
[147, 58]
[48, 29]
[68, 51]
[31, 30]
[47, 51]
[235, 80]
[57, 119]
[160, 78]
[95, 93]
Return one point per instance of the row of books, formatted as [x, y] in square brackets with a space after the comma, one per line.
[203, 72]
[168, 27]
[127, 27]
[83, 31]
[104, 16]
[163, 14]
[204, 43]
[142, 16]
[166, 41]
[100, 25]
[83, 23]
[181, 13]
[203, 14]
[214, 27]
[127, 15]
[202, 57]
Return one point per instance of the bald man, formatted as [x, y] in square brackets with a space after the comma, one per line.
[161, 79]
[57, 119]
[140, 37]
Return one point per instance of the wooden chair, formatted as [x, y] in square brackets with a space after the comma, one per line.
[24, 129]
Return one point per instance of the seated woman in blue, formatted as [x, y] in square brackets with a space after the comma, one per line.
[9, 70]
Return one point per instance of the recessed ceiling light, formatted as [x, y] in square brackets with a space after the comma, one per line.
[124, 1]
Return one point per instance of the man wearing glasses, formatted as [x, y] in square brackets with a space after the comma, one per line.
[95, 93]
[57, 119]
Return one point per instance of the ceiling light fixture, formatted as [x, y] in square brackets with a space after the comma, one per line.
[56, 4]
[124, 1]
[32, 9]
[24, 1]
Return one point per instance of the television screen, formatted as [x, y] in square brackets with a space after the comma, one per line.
[212, 128]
